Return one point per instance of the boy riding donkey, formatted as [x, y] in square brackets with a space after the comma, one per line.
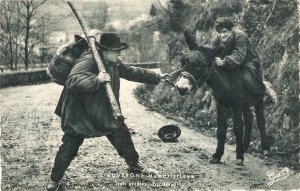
[236, 53]
[86, 112]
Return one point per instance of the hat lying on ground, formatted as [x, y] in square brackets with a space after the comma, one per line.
[169, 133]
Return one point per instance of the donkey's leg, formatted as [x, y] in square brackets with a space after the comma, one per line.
[248, 121]
[261, 123]
[238, 132]
[221, 133]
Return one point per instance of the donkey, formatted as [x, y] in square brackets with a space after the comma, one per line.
[230, 93]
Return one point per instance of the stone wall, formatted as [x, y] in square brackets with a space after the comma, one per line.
[23, 77]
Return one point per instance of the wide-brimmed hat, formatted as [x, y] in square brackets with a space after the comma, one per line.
[169, 133]
[223, 22]
[107, 41]
[111, 41]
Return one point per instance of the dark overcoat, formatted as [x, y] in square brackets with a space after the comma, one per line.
[239, 51]
[84, 107]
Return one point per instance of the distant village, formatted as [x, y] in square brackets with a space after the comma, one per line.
[59, 25]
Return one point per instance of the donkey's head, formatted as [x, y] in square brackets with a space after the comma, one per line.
[197, 66]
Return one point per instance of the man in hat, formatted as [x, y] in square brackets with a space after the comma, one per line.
[238, 51]
[86, 112]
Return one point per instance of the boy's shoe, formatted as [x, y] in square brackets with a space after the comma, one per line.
[240, 162]
[52, 186]
[215, 159]
[139, 168]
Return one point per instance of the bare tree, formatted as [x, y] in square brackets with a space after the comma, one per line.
[30, 10]
[10, 34]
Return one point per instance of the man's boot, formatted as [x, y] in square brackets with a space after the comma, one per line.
[139, 168]
[52, 186]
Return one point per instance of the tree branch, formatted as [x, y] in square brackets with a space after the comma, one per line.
[265, 25]
[23, 2]
[39, 4]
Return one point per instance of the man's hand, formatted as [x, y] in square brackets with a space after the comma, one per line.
[219, 61]
[104, 77]
[164, 77]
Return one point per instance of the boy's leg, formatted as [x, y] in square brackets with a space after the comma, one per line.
[66, 153]
[221, 133]
[253, 81]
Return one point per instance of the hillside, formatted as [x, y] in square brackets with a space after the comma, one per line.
[272, 27]
[64, 20]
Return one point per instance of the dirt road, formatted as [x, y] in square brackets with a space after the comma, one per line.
[31, 137]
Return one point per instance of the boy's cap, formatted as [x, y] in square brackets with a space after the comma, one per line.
[223, 22]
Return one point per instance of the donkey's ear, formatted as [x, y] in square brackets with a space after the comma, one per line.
[190, 40]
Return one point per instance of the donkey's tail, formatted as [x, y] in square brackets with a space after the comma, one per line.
[270, 91]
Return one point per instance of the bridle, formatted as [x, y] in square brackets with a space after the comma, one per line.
[210, 70]
[193, 79]
[190, 76]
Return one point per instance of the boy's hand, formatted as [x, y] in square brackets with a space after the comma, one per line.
[219, 61]
[164, 77]
[104, 77]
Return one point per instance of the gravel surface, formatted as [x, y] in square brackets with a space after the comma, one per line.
[30, 137]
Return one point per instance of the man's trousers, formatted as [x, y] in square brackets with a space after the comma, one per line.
[120, 139]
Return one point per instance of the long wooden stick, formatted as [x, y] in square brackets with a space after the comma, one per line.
[100, 60]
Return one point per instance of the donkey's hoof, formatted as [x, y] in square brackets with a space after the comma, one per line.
[240, 162]
[215, 160]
